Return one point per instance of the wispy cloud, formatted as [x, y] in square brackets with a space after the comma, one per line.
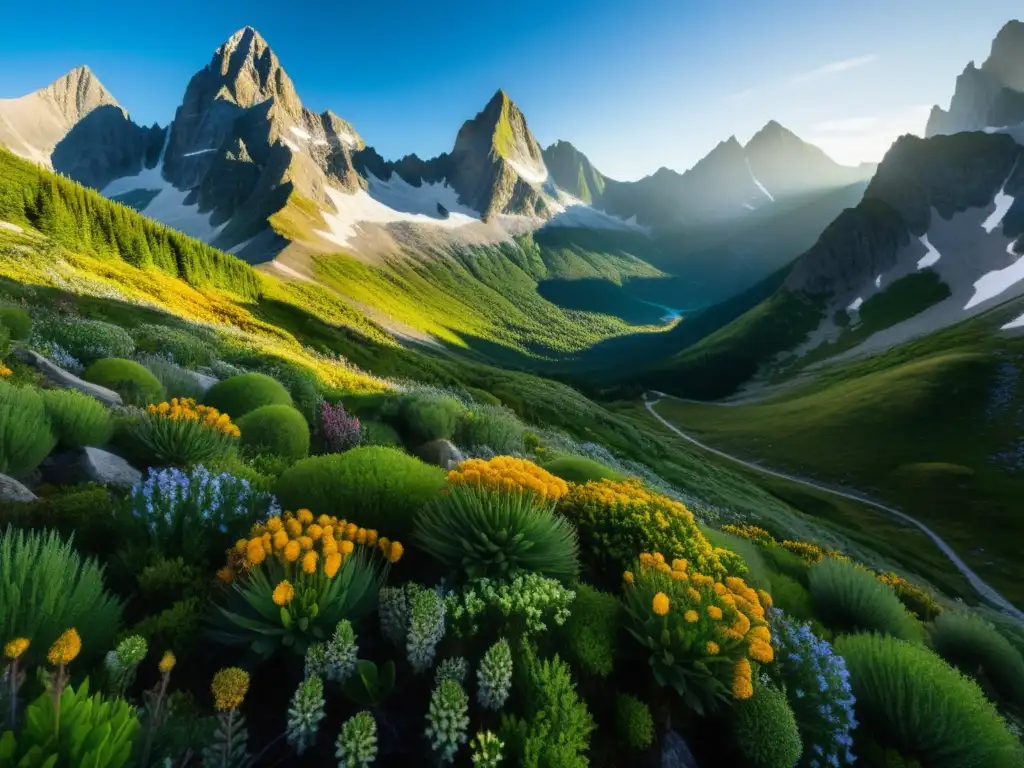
[847, 125]
[832, 69]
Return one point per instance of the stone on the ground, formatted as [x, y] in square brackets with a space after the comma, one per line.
[62, 378]
[675, 753]
[440, 453]
[89, 465]
[12, 490]
[204, 381]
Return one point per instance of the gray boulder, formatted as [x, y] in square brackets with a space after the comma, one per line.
[675, 753]
[440, 453]
[204, 381]
[12, 490]
[62, 378]
[89, 465]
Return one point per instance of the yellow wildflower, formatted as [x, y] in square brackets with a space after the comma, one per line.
[371, 537]
[350, 531]
[765, 598]
[167, 663]
[294, 528]
[628, 577]
[742, 685]
[306, 543]
[324, 520]
[284, 593]
[693, 594]
[679, 576]
[761, 633]
[385, 544]
[679, 564]
[241, 545]
[328, 546]
[65, 648]
[714, 612]
[761, 651]
[280, 539]
[255, 553]
[660, 604]
[229, 687]
[314, 531]
[396, 552]
[291, 551]
[226, 574]
[691, 616]
[274, 524]
[331, 564]
[16, 647]
[304, 516]
[742, 625]
[711, 647]
[361, 536]
[347, 547]
[309, 563]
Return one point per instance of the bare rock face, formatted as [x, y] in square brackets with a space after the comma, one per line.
[440, 453]
[90, 465]
[62, 378]
[13, 491]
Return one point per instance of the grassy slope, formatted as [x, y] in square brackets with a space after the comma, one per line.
[921, 427]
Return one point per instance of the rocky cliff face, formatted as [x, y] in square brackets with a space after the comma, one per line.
[989, 96]
[573, 172]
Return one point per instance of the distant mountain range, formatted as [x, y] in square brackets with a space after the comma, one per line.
[245, 166]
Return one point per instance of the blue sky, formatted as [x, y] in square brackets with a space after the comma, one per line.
[634, 85]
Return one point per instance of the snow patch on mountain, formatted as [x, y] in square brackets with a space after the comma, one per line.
[878, 282]
[928, 260]
[391, 202]
[199, 152]
[572, 212]
[855, 304]
[1002, 202]
[1018, 323]
[532, 173]
[758, 183]
[993, 283]
[291, 145]
[300, 133]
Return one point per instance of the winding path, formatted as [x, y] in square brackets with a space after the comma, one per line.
[987, 592]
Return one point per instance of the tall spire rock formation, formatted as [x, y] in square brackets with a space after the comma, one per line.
[991, 96]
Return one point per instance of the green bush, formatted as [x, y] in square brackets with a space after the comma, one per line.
[785, 562]
[494, 426]
[46, 588]
[757, 573]
[376, 487]
[184, 348]
[633, 722]
[87, 340]
[578, 469]
[87, 512]
[279, 430]
[976, 648]
[424, 417]
[591, 632]
[480, 533]
[379, 433]
[848, 598]
[176, 381]
[910, 700]
[791, 597]
[240, 394]
[175, 628]
[135, 384]
[17, 322]
[77, 420]
[482, 396]
[25, 435]
[765, 730]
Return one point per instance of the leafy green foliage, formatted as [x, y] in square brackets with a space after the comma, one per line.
[912, 701]
[357, 741]
[526, 605]
[87, 512]
[82, 730]
[176, 345]
[77, 420]
[579, 469]
[176, 381]
[370, 686]
[381, 488]
[175, 628]
[17, 322]
[977, 649]
[239, 395]
[591, 632]
[792, 597]
[86, 340]
[25, 435]
[765, 729]
[633, 722]
[848, 598]
[477, 532]
[425, 417]
[46, 588]
[495, 426]
[447, 719]
[135, 384]
[554, 731]
[153, 439]
[379, 433]
[279, 430]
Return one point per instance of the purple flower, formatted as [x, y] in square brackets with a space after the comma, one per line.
[340, 430]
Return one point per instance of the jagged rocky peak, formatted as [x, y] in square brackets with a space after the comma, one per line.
[78, 93]
[1006, 61]
[572, 171]
[249, 72]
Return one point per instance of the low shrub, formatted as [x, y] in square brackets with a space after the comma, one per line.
[917, 600]
[591, 633]
[25, 435]
[482, 396]
[176, 628]
[279, 430]
[85, 340]
[87, 512]
[340, 430]
[910, 700]
[848, 598]
[976, 648]
[615, 520]
[493, 426]
[425, 417]
[578, 469]
[77, 420]
[382, 488]
[17, 322]
[135, 384]
[240, 394]
[504, 473]
[817, 685]
[174, 344]
[497, 535]
[633, 722]
[792, 597]
[176, 381]
[196, 514]
[379, 433]
[526, 605]
[46, 588]
[749, 561]
[785, 562]
[700, 635]
[765, 731]
[181, 433]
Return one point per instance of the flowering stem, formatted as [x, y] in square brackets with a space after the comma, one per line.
[58, 689]
[228, 738]
[154, 719]
[12, 675]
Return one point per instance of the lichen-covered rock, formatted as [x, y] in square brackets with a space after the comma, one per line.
[12, 490]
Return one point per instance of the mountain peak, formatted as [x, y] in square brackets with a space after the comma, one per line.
[78, 93]
[1006, 60]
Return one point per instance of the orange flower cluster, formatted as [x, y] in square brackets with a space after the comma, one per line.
[751, 532]
[708, 617]
[186, 409]
[806, 551]
[4, 371]
[918, 600]
[504, 473]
